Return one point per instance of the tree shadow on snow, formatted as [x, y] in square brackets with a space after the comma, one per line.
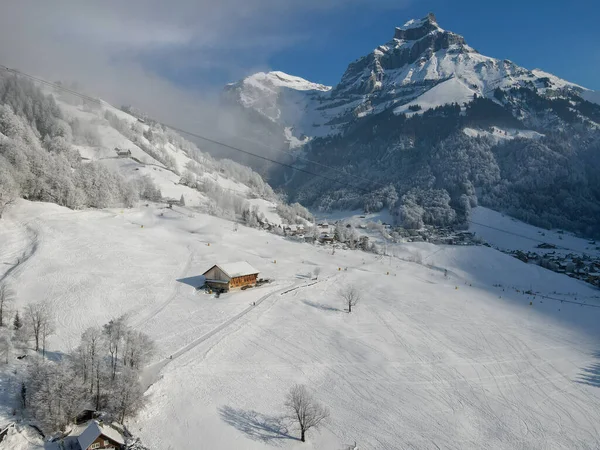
[590, 375]
[196, 281]
[259, 427]
[321, 306]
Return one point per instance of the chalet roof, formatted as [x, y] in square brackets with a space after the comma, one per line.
[236, 269]
[89, 432]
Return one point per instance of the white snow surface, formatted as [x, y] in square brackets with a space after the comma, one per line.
[502, 134]
[423, 361]
[508, 233]
[449, 91]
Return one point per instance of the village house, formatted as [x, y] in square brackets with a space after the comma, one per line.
[123, 153]
[226, 277]
[93, 435]
[326, 238]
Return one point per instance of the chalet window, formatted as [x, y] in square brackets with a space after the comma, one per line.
[95, 445]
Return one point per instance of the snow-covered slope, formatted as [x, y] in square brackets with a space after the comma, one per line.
[462, 361]
[173, 152]
[284, 99]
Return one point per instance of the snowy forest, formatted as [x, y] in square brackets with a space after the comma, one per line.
[101, 373]
[39, 160]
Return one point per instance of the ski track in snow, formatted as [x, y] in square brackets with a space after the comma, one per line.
[424, 361]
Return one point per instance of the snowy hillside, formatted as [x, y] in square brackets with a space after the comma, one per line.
[462, 361]
[82, 152]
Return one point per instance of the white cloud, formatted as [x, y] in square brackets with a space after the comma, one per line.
[115, 48]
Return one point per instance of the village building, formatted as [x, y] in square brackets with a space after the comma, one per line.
[326, 239]
[123, 153]
[93, 435]
[226, 277]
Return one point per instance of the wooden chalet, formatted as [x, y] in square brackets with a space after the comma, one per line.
[226, 277]
[93, 435]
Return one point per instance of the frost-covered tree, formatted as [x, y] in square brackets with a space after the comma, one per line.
[40, 317]
[9, 190]
[17, 323]
[304, 410]
[138, 348]
[6, 344]
[126, 395]
[317, 272]
[6, 300]
[114, 332]
[53, 393]
[350, 296]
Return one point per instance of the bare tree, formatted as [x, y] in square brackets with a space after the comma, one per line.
[6, 299]
[41, 321]
[47, 330]
[114, 331]
[87, 354]
[317, 272]
[304, 409]
[138, 347]
[6, 343]
[351, 296]
[126, 395]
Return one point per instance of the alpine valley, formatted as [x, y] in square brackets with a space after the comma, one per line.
[427, 126]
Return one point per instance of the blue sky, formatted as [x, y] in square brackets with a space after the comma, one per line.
[173, 58]
[557, 36]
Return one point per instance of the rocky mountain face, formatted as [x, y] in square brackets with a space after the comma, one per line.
[437, 127]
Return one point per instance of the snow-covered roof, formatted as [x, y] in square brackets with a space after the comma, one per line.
[237, 269]
[93, 430]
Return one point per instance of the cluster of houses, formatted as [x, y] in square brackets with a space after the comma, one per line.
[581, 266]
[439, 236]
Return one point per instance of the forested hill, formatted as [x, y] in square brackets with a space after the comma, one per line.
[61, 148]
[438, 128]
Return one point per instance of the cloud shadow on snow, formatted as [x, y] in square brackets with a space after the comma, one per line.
[259, 427]
[196, 281]
[590, 375]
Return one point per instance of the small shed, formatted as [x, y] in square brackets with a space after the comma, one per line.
[236, 275]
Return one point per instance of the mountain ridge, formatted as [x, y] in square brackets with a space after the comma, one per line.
[402, 113]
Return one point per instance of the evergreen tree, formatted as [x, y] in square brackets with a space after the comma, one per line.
[17, 324]
[182, 200]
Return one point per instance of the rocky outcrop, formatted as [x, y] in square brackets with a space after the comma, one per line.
[422, 48]
[417, 39]
[415, 30]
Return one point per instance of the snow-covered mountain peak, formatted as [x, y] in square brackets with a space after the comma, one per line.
[276, 80]
[423, 66]
[417, 28]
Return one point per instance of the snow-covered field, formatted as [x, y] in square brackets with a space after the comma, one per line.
[425, 361]
[508, 233]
